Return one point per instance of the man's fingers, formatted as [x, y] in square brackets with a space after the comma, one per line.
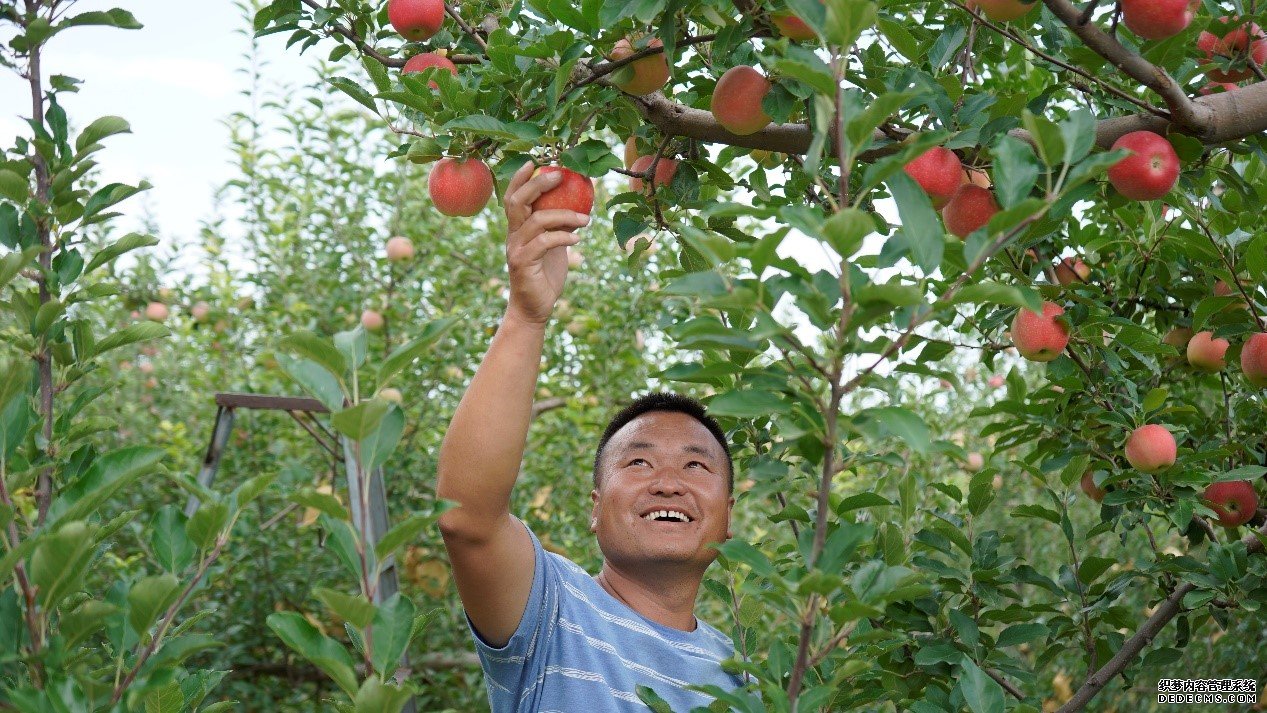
[553, 219]
[519, 201]
[535, 249]
[522, 175]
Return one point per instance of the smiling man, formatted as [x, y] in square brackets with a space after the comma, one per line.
[551, 637]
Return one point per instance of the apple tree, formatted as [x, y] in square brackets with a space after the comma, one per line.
[1098, 172]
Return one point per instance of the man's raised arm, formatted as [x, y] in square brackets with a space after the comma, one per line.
[479, 459]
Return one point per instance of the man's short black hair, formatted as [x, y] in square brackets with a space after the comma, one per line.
[665, 401]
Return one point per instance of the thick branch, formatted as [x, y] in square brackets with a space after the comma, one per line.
[1188, 114]
[1131, 648]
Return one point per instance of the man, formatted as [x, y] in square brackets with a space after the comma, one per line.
[549, 636]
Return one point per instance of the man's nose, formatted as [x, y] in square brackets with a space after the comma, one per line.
[667, 482]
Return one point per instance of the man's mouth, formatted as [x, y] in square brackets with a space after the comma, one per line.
[674, 516]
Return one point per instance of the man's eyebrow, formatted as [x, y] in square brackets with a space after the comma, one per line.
[689, 448]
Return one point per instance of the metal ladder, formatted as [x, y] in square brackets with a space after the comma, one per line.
[303, 410]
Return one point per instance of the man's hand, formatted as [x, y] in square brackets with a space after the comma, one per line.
[536, 245]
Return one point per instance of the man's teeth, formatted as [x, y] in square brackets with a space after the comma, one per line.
[666, 513]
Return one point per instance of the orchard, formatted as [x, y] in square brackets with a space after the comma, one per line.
[977, 290]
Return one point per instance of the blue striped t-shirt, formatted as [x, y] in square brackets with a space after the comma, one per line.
[579, 649]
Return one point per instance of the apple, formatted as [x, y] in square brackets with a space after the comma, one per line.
[453, 372]
[736, 102]
[974, 462]
[372, 321]
[146, 367]
[201, 312]
[996, 381]
[631, 246]
[1004, 10]
[416, 20]
[1040, 337]
[399, 249]
[1222, 289]
[1215, 87]
[976, 177]
[419, 62]
[1071, 270]
[631, 152]
[939, 172]
[575, 257]
[1158, 19]
[156, 311]
[1206, 353]
[575, 192]
[648, 74]
[392, 395]
[1150, 172]
[460, 187]
[1234, 43]
[1254, 359]
[1092, 490]
[151, 383]
[997, 482]
[767, 159]
[1151, 448]
[791, 26]
[969, 209]
[664, 172]
[577, 327]
[1178, 337]
[220, 326]
[1235, 501]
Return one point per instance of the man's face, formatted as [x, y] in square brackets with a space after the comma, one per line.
[661, 461]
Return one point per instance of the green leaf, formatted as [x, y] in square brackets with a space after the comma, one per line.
[376, 696]
[77, 625]
[100, 129]
[148, 599]
[354, 90]
[846, 20]
[749, 403]
[322, 502]
[131, 334]
[1020, 633]
[349, 607]
[1047, 136]
[315, 379]
[1015, 170]
[393, 625]
[982, 693]
[207, 523]
[60, 560]
[1155, 398]
[167, 698]
[324, 653]
[353, 345]
[653, 700]
[482, 125]
[253, 488]
[846, 230]
[12, 264]
[920, 225]
[995, 293]
[405, 355]
[14, 187]
[128, 243]
[360, 420]
[319, 351]
[377, 447]
[403, 532]
[113, 17]
[107, 475]
[1093, 567]
[168, 541]
[889, 421]
[980, 491]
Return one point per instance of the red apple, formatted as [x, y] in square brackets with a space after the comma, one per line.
[1215, 87]
[1004, 10]
[156, 311]
[631, 152]
[969, 209]
[976, 177]
[996, 381]
[1151, 448]
[416, 20]
[791, 26]
[939, 172]
[1235, 43]
[419, 62]
[372, 321]
[460, 187]
[664, 171]
[1235, 501]
[575, 192]
[975, 462]
[649, 74]
[736, 102]
[1158, 19]
[1040, 337]
[1092, 490]
[1150, 172]
[1206, 353]
[1071, 270]
[400, 248]
[200, 312]
[1254, 359]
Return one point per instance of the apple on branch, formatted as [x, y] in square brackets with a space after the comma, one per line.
[1207, 353]
[969, 210]
[575, 192]
[1004, 10]
[1158, 19]
[1235, 501]
[1151, 448]
[460, 187]
[1233, 44]
[939, 172]
[156, 311]
[736, 102]
[400, 249]
[1040, 337]
[665, 169]
[419, 62]
[372, 320]
[642, 76]
[1089, 487]
[1070, 270]
[416, 20]
[1254, 359]
[1150, 172]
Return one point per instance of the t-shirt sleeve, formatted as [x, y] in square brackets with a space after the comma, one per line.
[513, 668]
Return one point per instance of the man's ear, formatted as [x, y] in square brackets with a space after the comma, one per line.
[594, 511]
[730, 506]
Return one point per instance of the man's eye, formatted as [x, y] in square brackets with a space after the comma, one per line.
[637, 460]
[695, 462]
